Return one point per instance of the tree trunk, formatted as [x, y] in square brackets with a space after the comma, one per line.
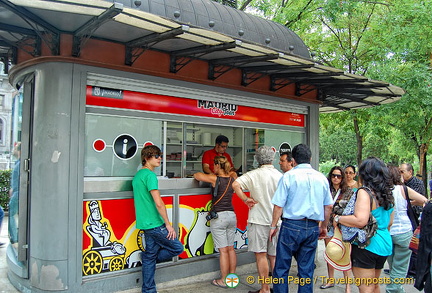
[423, 163]
[359, 140]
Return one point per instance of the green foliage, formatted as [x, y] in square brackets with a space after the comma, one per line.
[5, 176]
[410, 115]
[326, 166]
[406, 30]
[337, 138]
[231, 3]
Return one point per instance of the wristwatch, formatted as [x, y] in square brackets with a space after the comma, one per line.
[336, 219]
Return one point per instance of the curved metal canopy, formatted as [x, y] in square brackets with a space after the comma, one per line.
[186, 30]
[227, 20]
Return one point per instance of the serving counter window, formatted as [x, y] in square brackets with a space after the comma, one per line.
[187, 142]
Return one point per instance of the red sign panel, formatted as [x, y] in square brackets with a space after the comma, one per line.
[112, 98]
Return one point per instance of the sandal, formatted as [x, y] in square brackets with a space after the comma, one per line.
[326, 286]
[215, 283]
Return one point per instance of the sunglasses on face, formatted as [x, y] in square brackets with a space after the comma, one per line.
[336, 176]
[157, 156]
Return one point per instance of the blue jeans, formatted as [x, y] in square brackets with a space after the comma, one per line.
[1, 216]
[297, 238]
[399, 261]
[12, 225]
[158, 249]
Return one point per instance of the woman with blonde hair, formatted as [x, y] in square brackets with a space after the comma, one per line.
[223, 222]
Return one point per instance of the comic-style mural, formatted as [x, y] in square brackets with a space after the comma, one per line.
[111, 242]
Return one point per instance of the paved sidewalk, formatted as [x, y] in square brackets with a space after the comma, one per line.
[247, 275]
[5, 285]
[248, 280]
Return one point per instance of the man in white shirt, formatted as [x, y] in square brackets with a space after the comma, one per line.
[261, 183]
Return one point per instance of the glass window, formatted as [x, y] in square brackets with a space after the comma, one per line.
[254, 138]
[113, 144]
[15, 166]
[14, 199]
[201, 138]
[1, 131]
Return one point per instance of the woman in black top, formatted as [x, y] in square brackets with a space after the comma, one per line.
[224, 222]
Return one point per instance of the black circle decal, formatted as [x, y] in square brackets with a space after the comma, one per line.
[125, 147]
[284, 147]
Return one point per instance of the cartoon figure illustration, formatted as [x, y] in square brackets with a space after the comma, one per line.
[103, 255]
[96, 228]
[240, 239]
[199, 232]
[134, 259]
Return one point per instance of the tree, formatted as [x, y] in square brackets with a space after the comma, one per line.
[231, 3]
[340, 39]
[405, 36]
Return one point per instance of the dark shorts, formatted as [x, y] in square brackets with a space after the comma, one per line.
[362, 258]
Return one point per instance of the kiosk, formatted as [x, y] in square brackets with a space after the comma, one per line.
[98, 80]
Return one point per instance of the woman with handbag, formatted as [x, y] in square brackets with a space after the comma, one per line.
[402, 229]
[223, 221]
[373, 207]
[340, 193]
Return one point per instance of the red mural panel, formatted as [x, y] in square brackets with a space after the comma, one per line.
[111, 241]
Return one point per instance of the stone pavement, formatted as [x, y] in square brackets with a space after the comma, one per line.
[201, 283]
[248, 282]
[5, 285]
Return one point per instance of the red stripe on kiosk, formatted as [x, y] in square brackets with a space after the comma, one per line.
[113, 98]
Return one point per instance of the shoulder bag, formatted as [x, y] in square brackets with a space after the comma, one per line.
[360, 236]
[411, 214]
[415, 240]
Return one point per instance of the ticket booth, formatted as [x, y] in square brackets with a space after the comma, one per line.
[99, 80]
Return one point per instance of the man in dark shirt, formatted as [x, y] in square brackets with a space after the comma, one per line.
[410, 180]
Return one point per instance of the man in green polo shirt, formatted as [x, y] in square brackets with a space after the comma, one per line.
[161, 243]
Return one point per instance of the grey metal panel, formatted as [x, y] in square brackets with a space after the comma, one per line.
[243, 23]
[313, 134]
[50, 171]
[121, 184]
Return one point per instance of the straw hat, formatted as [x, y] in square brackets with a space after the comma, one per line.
[338, 253]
